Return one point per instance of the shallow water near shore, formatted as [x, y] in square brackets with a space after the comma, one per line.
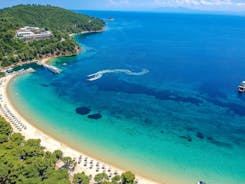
[180, 122]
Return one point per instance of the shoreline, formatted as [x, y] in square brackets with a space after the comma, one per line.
[48, 58]
[87, 32]
[50, 143]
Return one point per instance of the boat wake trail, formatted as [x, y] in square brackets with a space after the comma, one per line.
[99, 74]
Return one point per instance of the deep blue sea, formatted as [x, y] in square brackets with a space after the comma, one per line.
[164, 103]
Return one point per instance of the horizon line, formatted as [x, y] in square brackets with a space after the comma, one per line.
[154, 10]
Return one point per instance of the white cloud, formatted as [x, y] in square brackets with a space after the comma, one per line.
[226, 5]
[118, 3]
[200, 3]
[130, 4]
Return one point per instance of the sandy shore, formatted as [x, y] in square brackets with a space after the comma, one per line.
[24, 127]
[46, 60]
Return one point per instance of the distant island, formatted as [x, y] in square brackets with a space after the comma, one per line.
[61, 22]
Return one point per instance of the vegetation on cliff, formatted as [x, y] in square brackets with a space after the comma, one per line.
[60, 21]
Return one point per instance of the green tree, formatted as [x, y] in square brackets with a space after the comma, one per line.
[81, 178]
[59, 176]
[5, 128]
[101, 178]
[3, 138]
[128, 178]
[4, 172]
[116, 179]
[2, 74]
[17, 138]
[58, 154]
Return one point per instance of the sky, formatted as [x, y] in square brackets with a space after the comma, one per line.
[209, 5]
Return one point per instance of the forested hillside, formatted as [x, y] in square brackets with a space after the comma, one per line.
[54, 18]
[26, 162]
[60, 21]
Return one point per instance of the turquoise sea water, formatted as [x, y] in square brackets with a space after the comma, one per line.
[181, 122]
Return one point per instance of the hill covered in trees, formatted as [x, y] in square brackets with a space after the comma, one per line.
[26, 162]
[60, 21]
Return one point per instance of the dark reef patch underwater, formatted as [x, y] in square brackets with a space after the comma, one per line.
[130, 88]
[95, 116]
[44, 85]
[83, 110]
[126, 87]
[200, 135]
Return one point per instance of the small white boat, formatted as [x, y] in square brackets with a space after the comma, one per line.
[241, 87]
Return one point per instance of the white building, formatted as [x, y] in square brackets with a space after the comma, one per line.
[33, 33]
[23, 33]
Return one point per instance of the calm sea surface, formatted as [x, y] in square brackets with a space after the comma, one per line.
[171, 113]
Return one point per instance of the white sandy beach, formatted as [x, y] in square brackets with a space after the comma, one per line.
[31, 132]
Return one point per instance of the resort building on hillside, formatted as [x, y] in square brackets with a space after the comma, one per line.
[33, 33]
